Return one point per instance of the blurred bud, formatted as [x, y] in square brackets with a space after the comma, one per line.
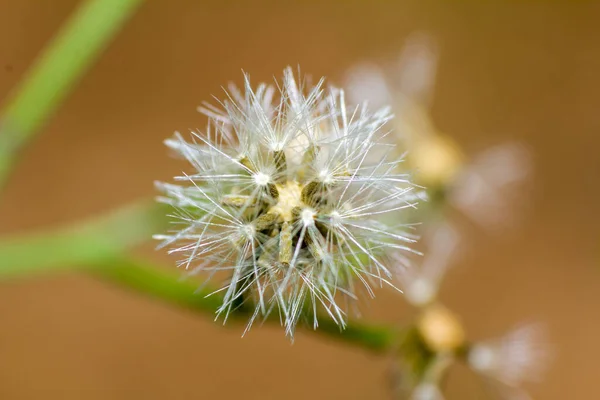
[441, 329]
[437, 160]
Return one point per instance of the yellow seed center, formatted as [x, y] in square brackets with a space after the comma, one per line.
[289, 198]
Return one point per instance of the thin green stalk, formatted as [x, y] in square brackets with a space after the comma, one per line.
[96, 246]
[64, 61]
[83, 243]
[154, 281]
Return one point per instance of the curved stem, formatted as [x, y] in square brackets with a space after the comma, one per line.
[151, 280]
[97, 245]
[78, 245]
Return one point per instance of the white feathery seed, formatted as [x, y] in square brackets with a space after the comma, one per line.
[294, 196]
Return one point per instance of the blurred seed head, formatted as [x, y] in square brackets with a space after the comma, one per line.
[487, 189]
[508, 362]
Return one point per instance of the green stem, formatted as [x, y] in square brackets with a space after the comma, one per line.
[64, 61]
[83, 243]
[154, 281]
[97, 245]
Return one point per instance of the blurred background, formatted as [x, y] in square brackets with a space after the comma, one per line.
[507, 71]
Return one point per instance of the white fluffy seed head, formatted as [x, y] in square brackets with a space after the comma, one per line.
[293, 197]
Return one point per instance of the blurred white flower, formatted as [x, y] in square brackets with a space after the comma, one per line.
[509, 361]
[427, 391]
[295, 195]
[485, 189]
[489, 188]
[367, 82]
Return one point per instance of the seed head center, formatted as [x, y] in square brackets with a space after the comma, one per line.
[289, 198]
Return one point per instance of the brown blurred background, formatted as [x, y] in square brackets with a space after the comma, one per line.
[507, 71]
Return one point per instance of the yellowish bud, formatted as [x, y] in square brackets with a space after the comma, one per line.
[436, 158]
[441, 329]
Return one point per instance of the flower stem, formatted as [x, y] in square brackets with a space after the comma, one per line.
[97, 246]
[63, 62]
[76, 246]
[143, 277]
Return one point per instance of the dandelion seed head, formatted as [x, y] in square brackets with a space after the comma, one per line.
[295, 196]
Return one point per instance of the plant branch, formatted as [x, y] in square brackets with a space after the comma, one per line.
[63, 62]
[97, 246]
[142, 277]
[83, 243]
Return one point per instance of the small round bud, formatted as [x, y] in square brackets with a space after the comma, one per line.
[441, 329]
[437, 159]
